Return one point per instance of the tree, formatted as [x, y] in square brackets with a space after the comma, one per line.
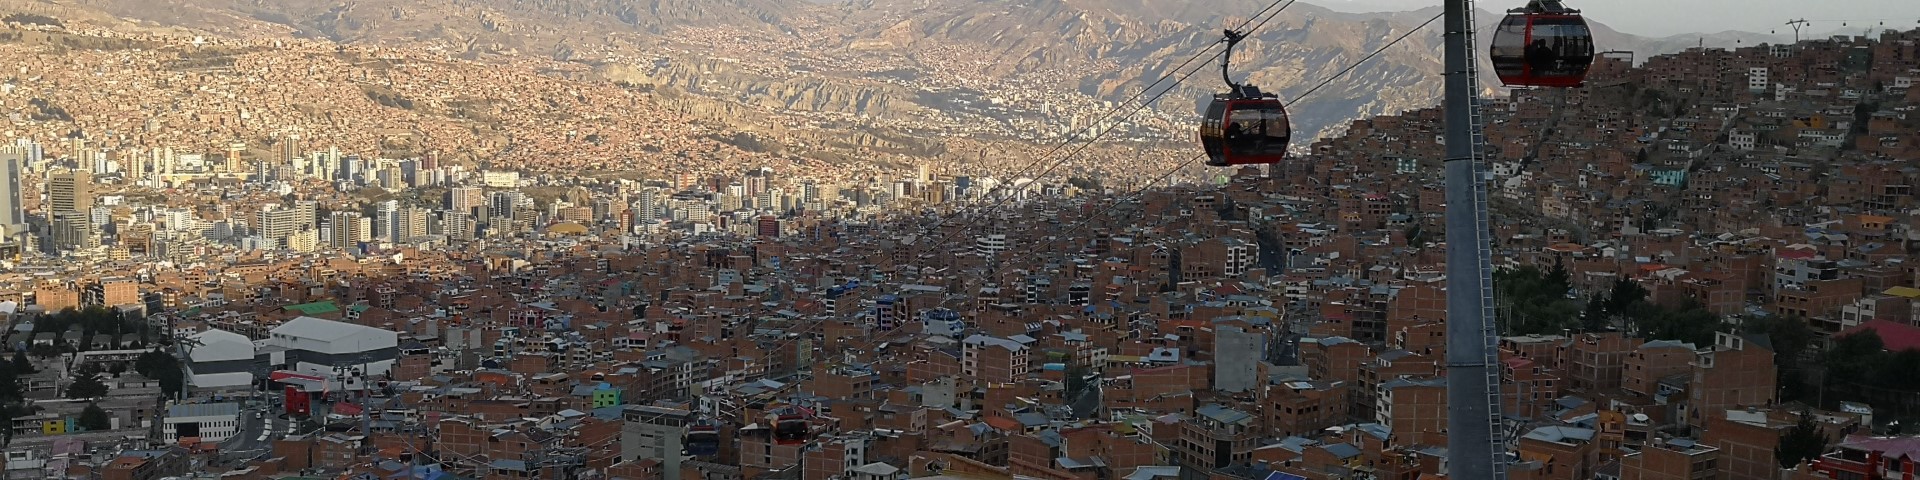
[149, 363]
[1531, 301]
[1690, 323]
[95, 419]
[1625, 295]
[1790, 337]
[1559, 276]
[43, 351]
[1802, 442]
[6, 434]
[1076, 382]
[1897, 371]
[9, 384]
[20, 363]
[1595, 316]
[1853, 358]
[86, 386]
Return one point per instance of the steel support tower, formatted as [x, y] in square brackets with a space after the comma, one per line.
[1475, 450]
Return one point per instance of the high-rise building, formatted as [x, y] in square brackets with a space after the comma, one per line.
[769, 226]
[234, 163]
[465, 199]
[279, 221]
[457, 225]
[646, 209]
[73, 231]
[386, 215]
[410, 223]
[12, 211]
[504, 204]
[348, 228]
[304, 240]
[70, 192]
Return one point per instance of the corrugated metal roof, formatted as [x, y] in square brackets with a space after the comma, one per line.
[204, 410]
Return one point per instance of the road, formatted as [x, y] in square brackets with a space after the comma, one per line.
[255, 436]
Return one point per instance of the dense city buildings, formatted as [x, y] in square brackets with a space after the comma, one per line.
[1704, 259]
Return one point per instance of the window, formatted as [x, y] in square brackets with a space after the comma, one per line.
[1509, 46]
[1258, 130]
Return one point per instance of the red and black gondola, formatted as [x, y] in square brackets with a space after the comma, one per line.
[1543, 44]
[1244, 126]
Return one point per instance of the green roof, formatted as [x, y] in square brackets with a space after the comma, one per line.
[315, 308]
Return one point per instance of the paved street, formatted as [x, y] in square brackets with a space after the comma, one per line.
[256, 435]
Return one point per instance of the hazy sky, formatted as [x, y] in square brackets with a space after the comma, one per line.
[1673, 17]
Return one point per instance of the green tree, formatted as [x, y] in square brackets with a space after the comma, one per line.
[1897, 371]
[10, 390]
[1690, 323]
[21, 364]
[44, 351]
[1790, 337]
[1076, 382]
[1625, 296]
[1800, 443]
[1853, 358]
[149, 363]
[6, 434]
[95, 419]
[1595, 316]
[1531, 301]
[86, 386]
[1558, 276]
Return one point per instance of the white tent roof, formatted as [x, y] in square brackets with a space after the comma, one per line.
[319, 329]
[220, 346]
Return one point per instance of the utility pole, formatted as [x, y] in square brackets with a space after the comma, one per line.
[1796, 24]
[1474, 449]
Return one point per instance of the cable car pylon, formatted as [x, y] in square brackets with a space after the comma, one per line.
[1475, 450]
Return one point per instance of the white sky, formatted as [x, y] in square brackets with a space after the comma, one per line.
[1672, 17]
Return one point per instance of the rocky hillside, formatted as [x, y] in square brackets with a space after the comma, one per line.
[887, 60]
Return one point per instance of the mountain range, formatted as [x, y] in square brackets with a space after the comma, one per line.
[827, 56]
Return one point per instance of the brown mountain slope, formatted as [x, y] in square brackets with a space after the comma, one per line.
[888, 61]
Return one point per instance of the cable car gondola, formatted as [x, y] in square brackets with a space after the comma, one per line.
[1244, 126]
[1543, 44]
[703, 439]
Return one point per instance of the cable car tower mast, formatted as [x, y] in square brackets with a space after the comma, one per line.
[1475, 448]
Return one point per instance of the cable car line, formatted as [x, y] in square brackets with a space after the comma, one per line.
[1344, 71]
[1143, 91]
[1102, 133]
[874, 339]
[1190, 162]
[1008, 196]
[1183, 165]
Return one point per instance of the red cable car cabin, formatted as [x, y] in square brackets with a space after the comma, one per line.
[1542, 45]
[1245, 130]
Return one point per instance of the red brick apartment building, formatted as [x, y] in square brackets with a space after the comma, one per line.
[1675, 459]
